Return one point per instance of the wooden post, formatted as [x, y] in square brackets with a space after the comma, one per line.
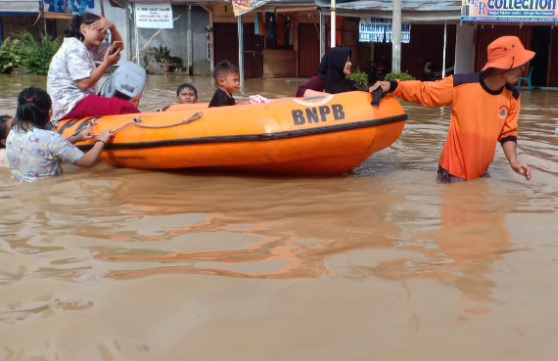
[240, 49]
[332, 19]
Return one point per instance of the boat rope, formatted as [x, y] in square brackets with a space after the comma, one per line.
[313, 101]
[137, 121]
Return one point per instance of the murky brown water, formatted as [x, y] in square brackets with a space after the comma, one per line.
[382, 264]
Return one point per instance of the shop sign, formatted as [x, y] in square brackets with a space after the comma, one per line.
[380, 30]
[509, 10]
[154, 16]
[243, 6]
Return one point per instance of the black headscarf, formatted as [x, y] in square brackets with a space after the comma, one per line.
[331, 71]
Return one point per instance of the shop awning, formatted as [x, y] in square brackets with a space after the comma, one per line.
[118, 3]
[387, 5]
[412, 10]
[19, 7]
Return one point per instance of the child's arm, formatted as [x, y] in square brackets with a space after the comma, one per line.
[82, 135]
[90, 158]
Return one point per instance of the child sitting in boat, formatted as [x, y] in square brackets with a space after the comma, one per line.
[227, 77]
[186, 93]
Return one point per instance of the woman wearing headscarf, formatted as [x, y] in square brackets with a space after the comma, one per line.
[332, 75]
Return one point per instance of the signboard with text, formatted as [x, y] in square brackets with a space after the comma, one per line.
[509, 10]
[380, 30]
[154, 16]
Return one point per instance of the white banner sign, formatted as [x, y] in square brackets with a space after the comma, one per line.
[154, 16]
[11, 6]
[380, 30]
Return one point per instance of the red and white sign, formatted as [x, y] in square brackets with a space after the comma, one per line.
[154, 16]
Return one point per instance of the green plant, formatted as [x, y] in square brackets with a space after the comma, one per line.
[147, 55]
[360, 78]
[175, 61]
[160, 54]
[401, 76]
[9, 57]
[36, 55]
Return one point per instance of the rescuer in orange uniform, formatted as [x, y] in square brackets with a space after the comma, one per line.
[484, 110]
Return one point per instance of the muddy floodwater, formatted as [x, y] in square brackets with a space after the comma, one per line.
[380, 264]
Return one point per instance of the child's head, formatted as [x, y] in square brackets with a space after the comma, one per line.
[227, 76]
[186, 93]
[33, 105]
[6, 122]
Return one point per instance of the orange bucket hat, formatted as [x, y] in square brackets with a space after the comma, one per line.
[507, 52]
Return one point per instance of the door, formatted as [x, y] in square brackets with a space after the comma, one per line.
[253, 52]
[308, 50]
[225, 43]
[226, 47]
[540, 40]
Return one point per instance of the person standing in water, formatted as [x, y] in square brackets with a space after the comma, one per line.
[35, 152]
[484, 110]
[227, 77]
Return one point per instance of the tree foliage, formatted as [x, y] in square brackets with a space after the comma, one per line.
[9, 56]
[360, 78]
[25, 51]
[36, 55]
[401, 76]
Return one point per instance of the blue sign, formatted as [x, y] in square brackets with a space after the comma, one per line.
[380, 30]
[69, 6]
[509, 10]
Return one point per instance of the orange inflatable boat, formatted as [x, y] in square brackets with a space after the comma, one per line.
[320, 135]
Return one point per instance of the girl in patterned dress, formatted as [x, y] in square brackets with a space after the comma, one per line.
[34, 152]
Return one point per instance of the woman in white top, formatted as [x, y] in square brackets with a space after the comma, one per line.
[73, 76]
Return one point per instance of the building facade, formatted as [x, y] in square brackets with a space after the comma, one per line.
[287, 38]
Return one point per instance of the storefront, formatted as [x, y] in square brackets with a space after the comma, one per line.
[534, 22]
[271, 39]
[455, 37]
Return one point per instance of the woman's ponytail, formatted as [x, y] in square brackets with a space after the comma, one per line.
[33, 105]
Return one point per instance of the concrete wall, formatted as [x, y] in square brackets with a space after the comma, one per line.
[465, 49]
[120, 19]
[176, 39]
